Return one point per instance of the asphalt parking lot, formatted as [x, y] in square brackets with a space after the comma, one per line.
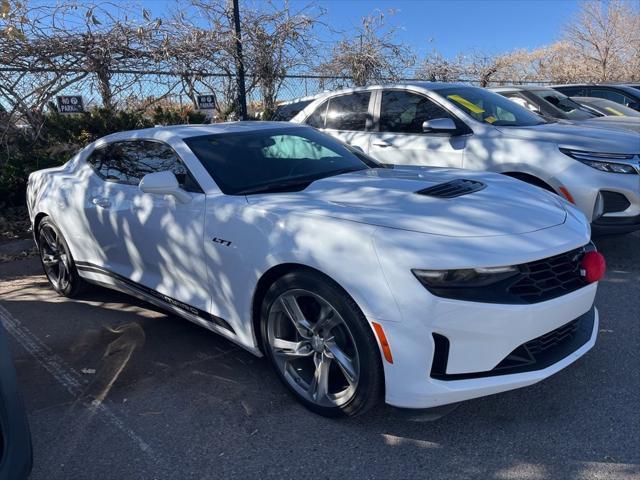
[117, 389]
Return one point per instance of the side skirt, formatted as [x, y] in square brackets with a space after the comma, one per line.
[122, 284]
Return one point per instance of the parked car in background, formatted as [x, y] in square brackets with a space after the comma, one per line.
[623, 94]
[456, 125]
[606, 107]
[556, 105]
[358, 282]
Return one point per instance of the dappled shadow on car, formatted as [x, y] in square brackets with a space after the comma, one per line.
[172, 381]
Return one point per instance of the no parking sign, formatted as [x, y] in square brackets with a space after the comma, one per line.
[70, 104]
[206, 102]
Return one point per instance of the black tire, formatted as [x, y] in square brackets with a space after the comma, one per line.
[369, 390]
[74, 284]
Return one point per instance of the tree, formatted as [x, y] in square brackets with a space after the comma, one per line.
[436, 68]
[372, 53]
[605, 38]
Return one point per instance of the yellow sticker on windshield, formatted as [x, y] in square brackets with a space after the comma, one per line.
[490, 119]
[614, 111]
[466, 103]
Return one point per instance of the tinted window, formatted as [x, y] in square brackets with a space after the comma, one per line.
[284, 113]
[348, 112]
[316, 119]
[406, 112]
[128, 162]
[242, 161]
[570, 91]
[611, 95]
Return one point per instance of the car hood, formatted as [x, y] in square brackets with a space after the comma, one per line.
[627, 123]
[388, 198]
[579, 137]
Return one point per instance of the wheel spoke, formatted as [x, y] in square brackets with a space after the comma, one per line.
[61, 273]
[49, 238]
[328, 319]
[292, 310]
[289, 348]
[344, 362]
[49, 260]
[319, 387]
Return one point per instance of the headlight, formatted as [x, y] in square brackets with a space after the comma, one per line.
[470, 277]
[605, 162]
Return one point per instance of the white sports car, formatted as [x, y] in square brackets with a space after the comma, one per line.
[422, 286]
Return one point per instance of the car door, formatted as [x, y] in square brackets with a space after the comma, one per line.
[400, 139]
[152, 240]
[347, 117]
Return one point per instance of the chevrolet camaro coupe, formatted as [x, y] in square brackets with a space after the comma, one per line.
[359, 282]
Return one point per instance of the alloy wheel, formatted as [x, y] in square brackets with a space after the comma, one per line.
[55, 258]
[313, 348]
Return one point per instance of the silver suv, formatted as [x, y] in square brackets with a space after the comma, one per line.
[456, 125]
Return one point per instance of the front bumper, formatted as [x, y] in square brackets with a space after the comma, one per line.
[430, 392]
[595, 193]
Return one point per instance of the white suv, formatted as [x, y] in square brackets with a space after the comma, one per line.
[455, 125]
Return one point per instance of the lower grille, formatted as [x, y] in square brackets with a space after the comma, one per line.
[536, 354]
[614, 202]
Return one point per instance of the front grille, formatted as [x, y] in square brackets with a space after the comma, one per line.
[549, 278]
[454, 188]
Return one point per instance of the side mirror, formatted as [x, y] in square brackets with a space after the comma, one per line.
[634, 105]
[164, 183]
[439, 125]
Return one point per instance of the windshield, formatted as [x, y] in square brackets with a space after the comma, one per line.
[607, 107]
[489, 107]
[279, 159]
[572, 110]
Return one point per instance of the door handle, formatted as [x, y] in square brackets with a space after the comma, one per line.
[101, 202]
[381, 144]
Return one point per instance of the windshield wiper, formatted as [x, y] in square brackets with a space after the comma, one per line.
[294, 184]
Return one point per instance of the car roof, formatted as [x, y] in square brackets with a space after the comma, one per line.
[409, 83]
[519, 88]
[186, 131]
[590, 85]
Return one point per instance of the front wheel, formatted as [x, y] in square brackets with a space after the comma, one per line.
[321, 345]
[57, 261]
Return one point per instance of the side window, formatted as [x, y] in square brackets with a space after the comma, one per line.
[317, 118]
[405, 112]
[127, 162]
[348, 112]
[284, 113]
[571, 91]
[609, 95]
[113, 165]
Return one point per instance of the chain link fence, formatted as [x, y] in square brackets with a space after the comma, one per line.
[144, 89]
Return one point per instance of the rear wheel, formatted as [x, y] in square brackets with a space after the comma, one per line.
[57, 261]
[321, 345]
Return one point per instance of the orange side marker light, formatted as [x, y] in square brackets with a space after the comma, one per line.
[567, 195]
[386, 350]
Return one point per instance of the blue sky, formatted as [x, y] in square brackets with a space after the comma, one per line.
[453, 26]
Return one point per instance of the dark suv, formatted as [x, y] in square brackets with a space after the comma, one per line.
[623, 94]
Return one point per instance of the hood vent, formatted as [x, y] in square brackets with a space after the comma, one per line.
[454, 188]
